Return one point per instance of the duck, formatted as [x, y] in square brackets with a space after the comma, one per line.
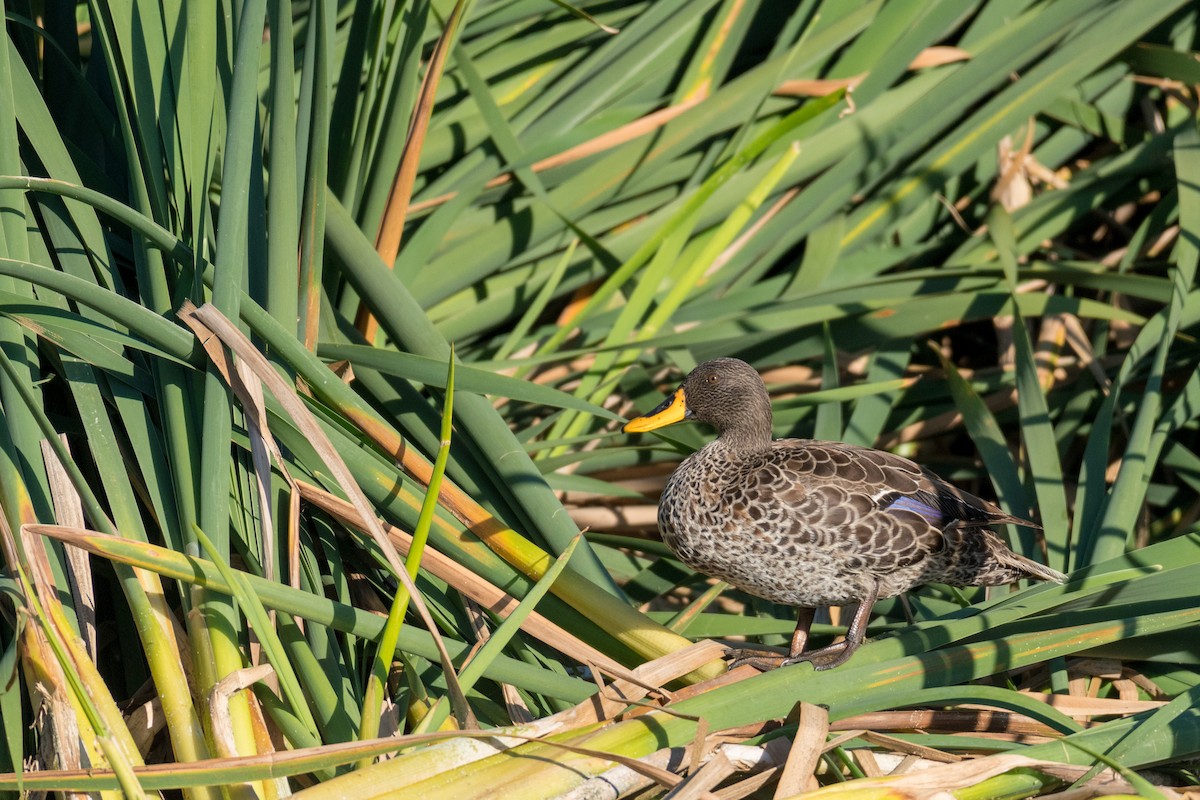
[811, 523]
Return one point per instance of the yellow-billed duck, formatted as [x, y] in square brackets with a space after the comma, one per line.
[810, 523]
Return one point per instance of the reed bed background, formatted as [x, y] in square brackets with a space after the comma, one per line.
[318, 321]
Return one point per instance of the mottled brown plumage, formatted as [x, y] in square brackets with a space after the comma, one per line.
[811, 523]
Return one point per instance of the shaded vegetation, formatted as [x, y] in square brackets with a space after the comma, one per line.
[237, 240]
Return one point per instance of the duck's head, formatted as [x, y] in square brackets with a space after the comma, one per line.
[726, 393]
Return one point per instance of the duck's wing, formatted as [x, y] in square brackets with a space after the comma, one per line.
[896, 483]
[966, 508]
[883, 508]
[846, 501]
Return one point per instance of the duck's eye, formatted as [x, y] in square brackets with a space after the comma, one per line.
[713, 378]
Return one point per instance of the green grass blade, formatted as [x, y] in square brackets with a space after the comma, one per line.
[829, 415]
[1125, 499]
[381, 667]
[404, 319]
[314, 608]
[264, 632]
[315, 172]
[474, 669]
[283, 199]
[1037, 430]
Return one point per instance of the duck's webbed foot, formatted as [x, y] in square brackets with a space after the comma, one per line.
[839, 653]
[825, 657]
[764, 659]
[761, 659]
[828, 657]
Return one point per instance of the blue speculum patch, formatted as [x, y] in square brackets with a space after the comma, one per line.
[931, 513]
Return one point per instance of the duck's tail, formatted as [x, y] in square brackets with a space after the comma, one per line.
[1027, 566]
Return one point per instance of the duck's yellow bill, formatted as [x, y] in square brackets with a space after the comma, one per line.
[672, 410]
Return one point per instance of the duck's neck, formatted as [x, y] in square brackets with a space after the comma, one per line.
[751, 431]
[744, 439]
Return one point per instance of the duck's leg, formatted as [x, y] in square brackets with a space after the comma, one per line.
[765, 660]
[804, 621]
[837, 654]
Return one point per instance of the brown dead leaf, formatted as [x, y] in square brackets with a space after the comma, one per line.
[817, 87]
[806, 751]
[216, 333]
[935, 783]
[938, 55]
